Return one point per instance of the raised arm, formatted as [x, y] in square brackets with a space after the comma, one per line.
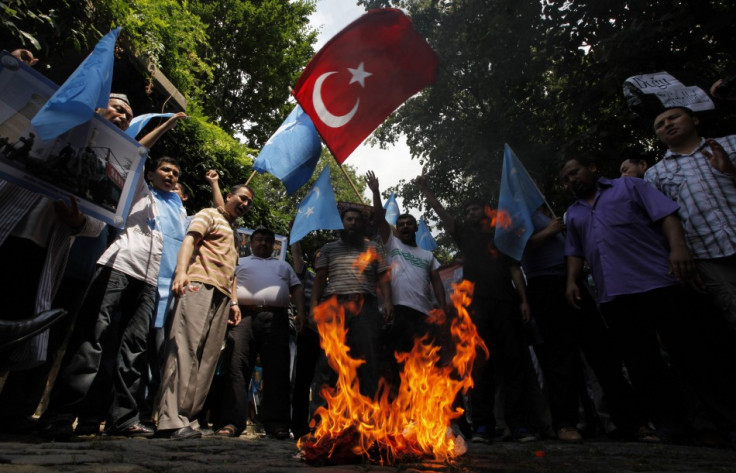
[433, 202]
[213, 179]
[151, 138]
[383, 227]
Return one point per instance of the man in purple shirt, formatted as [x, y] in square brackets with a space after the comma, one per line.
[631, 236]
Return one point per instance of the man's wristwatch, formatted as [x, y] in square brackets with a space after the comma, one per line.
[233, 303]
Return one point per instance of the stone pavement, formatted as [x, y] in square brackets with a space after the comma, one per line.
[251, 453]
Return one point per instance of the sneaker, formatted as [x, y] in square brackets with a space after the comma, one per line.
[481, 435]
[569, 435]
[524, 435]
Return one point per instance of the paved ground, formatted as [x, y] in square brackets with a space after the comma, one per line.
[260, 455]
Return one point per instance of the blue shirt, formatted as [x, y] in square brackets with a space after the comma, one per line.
[621, 238]
[707, 198]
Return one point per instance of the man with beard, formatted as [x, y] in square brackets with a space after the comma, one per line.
[414, 277]
[639, 295]
[499, 310]
[355, 288]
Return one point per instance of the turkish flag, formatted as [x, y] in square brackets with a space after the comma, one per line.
[362, 75]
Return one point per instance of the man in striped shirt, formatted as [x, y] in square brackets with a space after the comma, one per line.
[205, 286]
[699, 174]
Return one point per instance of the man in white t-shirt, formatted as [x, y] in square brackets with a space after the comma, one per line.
[265, 287]
[414, 278]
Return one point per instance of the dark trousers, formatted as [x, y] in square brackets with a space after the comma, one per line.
[363, 339]
[499, 325]
[408, 326]
[265, 334]
[635, 322]
[94, 333]
[565, 331]
[307, 354]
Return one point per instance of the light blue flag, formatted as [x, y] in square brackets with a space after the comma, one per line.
[392, 209]
[519, 198]
[425, 240]
[318, 210]
[87, 89]
[138, 123]
[291, 154]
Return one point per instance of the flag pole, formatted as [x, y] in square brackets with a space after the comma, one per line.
[250, 177]
[345, 173]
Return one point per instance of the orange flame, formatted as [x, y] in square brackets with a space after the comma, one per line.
[416, 423]
[499, 218]
[365, 259]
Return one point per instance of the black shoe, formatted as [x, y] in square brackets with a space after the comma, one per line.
[183, 433]
[136, 430]
[87, 428]
[280, 434]
[60, 431]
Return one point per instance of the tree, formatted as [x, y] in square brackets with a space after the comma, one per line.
[257, 48]
[546, 78]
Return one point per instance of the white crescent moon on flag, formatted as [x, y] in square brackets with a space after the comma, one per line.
[333, 121]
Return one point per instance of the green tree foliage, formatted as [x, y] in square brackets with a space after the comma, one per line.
[546, 78]
[257, 49]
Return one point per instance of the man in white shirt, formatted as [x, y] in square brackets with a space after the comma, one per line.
[265, 286]
[414, 278]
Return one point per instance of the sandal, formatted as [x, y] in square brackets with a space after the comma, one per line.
[228, 431]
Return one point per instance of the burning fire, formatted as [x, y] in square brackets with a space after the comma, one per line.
[416, 423]
[365, 259]
[498, 218]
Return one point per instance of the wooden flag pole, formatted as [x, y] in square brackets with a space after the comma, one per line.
[250, 177]
[352, 184]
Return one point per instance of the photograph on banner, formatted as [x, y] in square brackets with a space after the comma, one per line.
[95, 161]
[279, 246]
[451, 273]
[671, 92]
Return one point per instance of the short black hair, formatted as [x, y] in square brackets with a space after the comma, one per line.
[684, 109]
[352, 209]
[166, 159]
[263, 231]
[237, 187]
[581, 159]
[474, 201]
[409, 216]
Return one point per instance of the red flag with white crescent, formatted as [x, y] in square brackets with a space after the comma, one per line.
[362, 75]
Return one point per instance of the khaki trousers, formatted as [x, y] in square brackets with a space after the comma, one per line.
[196, 335]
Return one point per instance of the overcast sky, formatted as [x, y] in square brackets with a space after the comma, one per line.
[389, 165]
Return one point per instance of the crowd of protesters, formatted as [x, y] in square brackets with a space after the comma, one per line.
[632, 297]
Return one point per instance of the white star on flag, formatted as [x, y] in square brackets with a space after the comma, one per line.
[359, 75]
